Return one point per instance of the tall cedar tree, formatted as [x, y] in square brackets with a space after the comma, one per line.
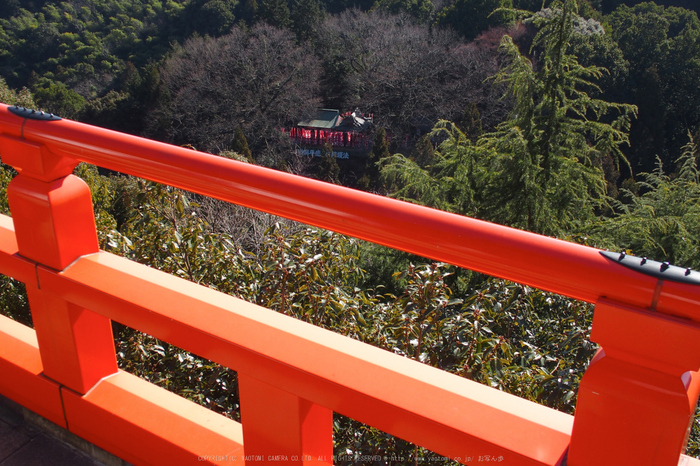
[306, 16]
[275, 13]
[240, 145]
[380, 151]
[328, 168]
[549, 176]
[540, 170]
[663, 221]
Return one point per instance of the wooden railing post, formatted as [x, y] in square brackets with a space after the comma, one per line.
[279, 427]
[54, 223]
[637, 399]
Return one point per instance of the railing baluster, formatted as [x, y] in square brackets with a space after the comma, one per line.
[637, 399]
[54, 223]
[279, 427]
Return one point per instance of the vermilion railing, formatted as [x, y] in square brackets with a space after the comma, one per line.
[635, 404]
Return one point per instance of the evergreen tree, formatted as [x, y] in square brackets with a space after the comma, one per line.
[380, 147]
[275, 13]
[240, 145]
[424, 152]
[305, 16]
[453, 180]
[420, 10]
[328, 168]
[663, 222]
[472, 17]
[662, 47]
[540, 170]
[250, 11]
[380, 151]
[471, 122]
[549, 174]
[212, 17]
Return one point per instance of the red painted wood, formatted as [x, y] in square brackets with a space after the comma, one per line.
[54, 225]
[145, 424]
[443, 412]
[21, 376]
[635, 403]
[569, 269]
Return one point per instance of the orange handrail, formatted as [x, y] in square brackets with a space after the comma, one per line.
[569, 269]
[640, 390]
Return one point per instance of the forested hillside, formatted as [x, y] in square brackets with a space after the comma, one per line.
[571, 118]
[131, 65]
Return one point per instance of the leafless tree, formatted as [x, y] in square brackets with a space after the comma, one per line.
[404, 73]
[257, 79]
[246, 226]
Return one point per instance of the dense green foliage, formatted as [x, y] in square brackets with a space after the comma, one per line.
[84, 45]
[579, 121]
[607, 6]
[662, 46]
[662, 218]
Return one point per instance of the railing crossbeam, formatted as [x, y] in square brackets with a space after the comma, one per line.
[21, 376]
[448, 414]
[146, 424]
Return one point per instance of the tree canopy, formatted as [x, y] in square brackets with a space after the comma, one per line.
[256, 79]
[541, 168]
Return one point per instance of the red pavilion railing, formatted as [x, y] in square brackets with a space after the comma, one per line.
[635, 404]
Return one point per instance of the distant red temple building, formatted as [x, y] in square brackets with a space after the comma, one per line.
[349, 134]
